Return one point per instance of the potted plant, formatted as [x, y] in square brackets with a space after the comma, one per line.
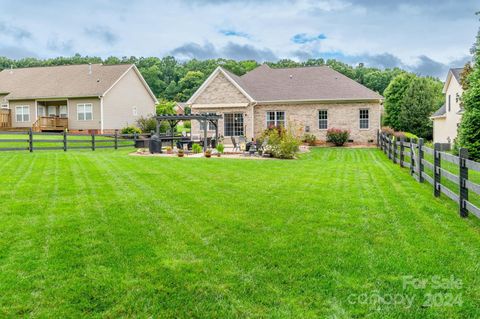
[220, 148]
[169, 149]
[181, 153]
[208, 153]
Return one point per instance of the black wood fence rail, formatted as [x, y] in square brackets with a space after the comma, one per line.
[32, 141]
[413, 154]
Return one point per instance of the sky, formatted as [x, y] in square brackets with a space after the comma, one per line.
[423, 36]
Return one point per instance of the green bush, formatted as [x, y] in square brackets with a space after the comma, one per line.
[130, 130]
[220, 148]
[310, 139]
[147, 124]
[196, 148]
[282, 143]
[337, 136]
[187, 124]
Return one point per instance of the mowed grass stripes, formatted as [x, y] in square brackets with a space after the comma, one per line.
[105, 234]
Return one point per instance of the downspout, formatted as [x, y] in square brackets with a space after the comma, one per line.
[101, 114]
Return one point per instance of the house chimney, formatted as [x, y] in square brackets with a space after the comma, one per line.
[89, 68]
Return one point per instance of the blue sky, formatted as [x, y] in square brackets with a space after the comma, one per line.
[424, 36]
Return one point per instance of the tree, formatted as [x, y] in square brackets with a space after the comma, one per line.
[394, 95]
[420, 100]
[469, 132]
[189, 84]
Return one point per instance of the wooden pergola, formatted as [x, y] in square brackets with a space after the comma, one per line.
[174, 119]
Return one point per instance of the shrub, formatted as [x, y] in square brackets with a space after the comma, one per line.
[130, 130]
[337, 136]
[388, 130]
[196, 148]
[310, 139]
[281, 143]
[187, 124]
[220, 148]
[147, 124]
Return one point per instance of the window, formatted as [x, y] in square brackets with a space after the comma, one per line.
[323, 119]
[211, 127]
[364, 119]
[63, 111]
[52, 110]
[275, 118]
[449, 103]
[233, 124]
[22, 113]
[134, 111]
[85, 112]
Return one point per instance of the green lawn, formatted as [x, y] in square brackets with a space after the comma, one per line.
[104, 234]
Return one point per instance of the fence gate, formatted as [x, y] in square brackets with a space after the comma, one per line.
[5, 119]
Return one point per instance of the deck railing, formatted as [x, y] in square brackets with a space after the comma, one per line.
[439, 171]
[5, 118]
[51, 123]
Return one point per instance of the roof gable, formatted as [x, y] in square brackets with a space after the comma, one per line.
[454, 74]
[62, 81]
[217, 76]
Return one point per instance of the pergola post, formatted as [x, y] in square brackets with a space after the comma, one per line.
[205, 127]
[216, 131]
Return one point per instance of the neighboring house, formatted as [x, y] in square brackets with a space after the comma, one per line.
[447, 119]
[96, 97]
[179, 108]
[310, 99]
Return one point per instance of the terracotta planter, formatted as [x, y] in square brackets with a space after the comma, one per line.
[181, 154]
[208, 155]
[219, 154]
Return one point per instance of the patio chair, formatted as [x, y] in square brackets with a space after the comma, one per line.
[235, 145]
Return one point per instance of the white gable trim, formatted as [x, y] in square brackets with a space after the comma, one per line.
[139, 76]
[449, 80]
[209, 80]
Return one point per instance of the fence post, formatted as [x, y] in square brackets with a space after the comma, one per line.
[116, 140]
[64, 141]
[378, 138]
[412, 158]
[389, 151]
[135, 140]
[436, 169]
[463, 156]
[30, 140]
[93, 140]
[394, 153]
[420, 160]
[402, 149]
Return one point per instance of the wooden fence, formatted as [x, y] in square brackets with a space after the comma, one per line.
[412, 154]
[32, 141]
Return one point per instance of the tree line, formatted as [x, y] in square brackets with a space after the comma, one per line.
[410, 99]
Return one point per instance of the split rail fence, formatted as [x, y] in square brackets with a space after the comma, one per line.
[33, 141]
[413, 154]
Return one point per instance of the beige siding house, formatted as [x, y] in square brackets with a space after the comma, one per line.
[447, 119]
[310, 100]
[99, 98]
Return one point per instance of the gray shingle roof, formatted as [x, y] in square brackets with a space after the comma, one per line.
[456, 73]
[305, 83]
[60, 81]
[441, 111]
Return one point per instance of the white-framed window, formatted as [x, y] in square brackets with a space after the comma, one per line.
[233, 124]
[22, 113]
[52, 111]
[449, 103]
[364, 119]
[63, 111]
[85, 112]
[134, 111]
[275, 119]
[323, 119]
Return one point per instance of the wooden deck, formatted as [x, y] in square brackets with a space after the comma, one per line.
[46, 123]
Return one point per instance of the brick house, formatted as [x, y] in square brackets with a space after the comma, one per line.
[312, 99]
